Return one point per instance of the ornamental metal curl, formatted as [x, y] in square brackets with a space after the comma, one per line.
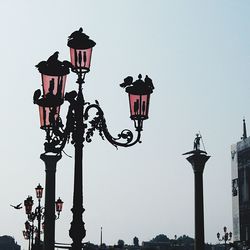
[99, 123]
[58, 135]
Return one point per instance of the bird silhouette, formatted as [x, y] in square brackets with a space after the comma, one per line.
[36, 95]
[149, 82]
[70, 96]
[53, 58]
[67, 64]
[41, 65]
[127, 81]
[76, 33]
[17, 206]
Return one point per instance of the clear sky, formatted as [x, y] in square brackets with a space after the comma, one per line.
[198, 55]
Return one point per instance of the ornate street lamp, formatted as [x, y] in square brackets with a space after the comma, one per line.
[59, 206]
[39, 191]
[79, 127]
[38, 214]
[226, 237]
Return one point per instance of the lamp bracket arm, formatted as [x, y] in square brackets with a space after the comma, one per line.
[123, 139]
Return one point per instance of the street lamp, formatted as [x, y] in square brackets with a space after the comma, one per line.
[198, 159]
[79, 128]
[59, 206]
[38, 214]
[226, 237]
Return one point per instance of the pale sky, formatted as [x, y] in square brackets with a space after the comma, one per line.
[198, 55]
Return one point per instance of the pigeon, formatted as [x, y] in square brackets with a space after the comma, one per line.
[67, 64]
[53, 58]
[17, 206]
[41, 65]
[76, 33]
[149, 82]
[127, 81]
[36, 95]
[70, 96]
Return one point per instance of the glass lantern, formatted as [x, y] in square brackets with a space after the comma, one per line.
[80, 50]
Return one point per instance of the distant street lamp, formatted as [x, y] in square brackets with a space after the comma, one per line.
[198, 159]
[38, 214]
[226, 237]
[59, 206]
[80, 126]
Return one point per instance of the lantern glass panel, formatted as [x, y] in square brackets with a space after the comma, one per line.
[54, 85]
[48, 116]
[139, 105]
[81, 58]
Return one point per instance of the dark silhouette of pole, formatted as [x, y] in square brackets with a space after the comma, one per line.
[198, 159]
[77, 230]
[39, 223]
[101, 238]
[50, 181]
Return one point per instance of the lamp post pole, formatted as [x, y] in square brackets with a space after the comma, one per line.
[77, 230]
[79, 127]
[49, 214]
[198, 159]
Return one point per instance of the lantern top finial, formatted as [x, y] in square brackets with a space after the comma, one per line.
[53, 66]
[138, 87]
[79, 40]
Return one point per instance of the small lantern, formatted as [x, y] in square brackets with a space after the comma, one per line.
[218, 235]
[28, 203]
[54, 73]
[39, 191]
[80, 50]
[59, 205]
[139, 96]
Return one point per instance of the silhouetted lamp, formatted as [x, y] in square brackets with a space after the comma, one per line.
[53, 73]
[59, 205]
[28, 203]
[139, 97]
[39, 191]
[80, 126]
[80, 50]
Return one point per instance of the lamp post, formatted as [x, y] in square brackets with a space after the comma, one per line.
[198, 158]
[59, 206]
[226, 237]
[39, 215]
[79, 127]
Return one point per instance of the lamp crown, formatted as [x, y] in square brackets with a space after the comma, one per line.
[79, 40]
